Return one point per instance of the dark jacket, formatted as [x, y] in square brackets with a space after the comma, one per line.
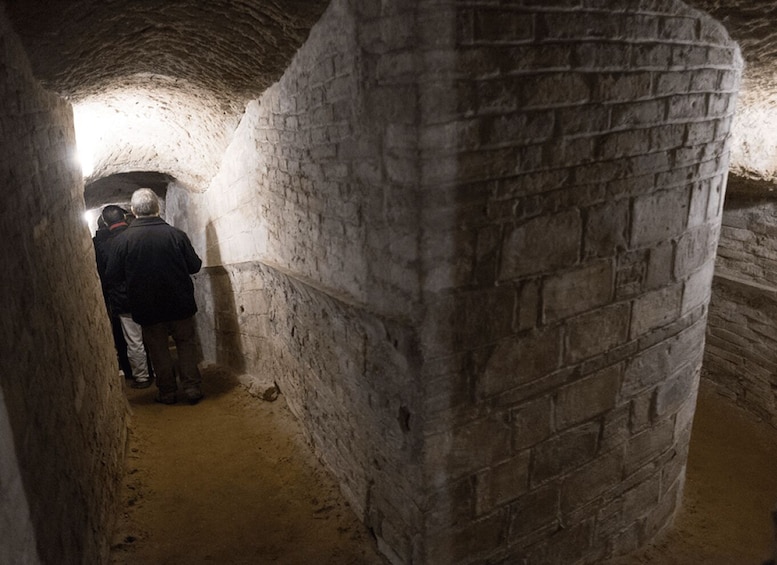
[155, 259]
[100, 240]
[115, 292]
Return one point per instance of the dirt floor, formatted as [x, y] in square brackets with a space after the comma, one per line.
[730, 490]
[230, 481]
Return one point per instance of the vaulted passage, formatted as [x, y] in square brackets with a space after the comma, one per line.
[473, 243]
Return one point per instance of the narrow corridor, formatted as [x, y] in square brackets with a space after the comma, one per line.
[229, 481]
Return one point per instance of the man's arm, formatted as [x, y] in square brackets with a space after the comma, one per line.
[115, 253]
[193, 261]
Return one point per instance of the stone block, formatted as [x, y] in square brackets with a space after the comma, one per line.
[597, 332]
[480, 537]
[484, 316]
[641, 411]
[502, 483]
[666, 137]
[648, 445]
[566, 545]
[661, 514]
[630, 274]
[578, 290]
[698, 287]
[591, 481]
[656, 363]
[675, 392]
[691, 106]
[518, 361]
[587, 398]
[446, 384]
[527, 316]
[672, 82]
[655, 309]
[574, 122]
[453, 504]
[638, 500]
[659, 217]
[638, 114]
[537, 509]
[500, 25]
[700, 195]
[564, 452]
[542, 244]
[497, 95]
[606, 231]
[627, 143]
[694, 248]
[550, 89]
[721, 105]
[717, 193]
[615, 428]
[532, 422]
[468, 448]
[699, 133]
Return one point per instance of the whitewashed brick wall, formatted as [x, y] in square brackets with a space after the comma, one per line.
[741, 358]
[585, 147]
[473, 243]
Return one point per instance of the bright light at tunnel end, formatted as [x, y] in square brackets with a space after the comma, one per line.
[90, 219]
[88, 125]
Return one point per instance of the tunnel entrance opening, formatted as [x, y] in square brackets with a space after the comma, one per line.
[118, 188]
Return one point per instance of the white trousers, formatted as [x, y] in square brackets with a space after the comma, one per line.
[133, 335]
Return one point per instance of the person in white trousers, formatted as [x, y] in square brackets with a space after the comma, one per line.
[116, 219]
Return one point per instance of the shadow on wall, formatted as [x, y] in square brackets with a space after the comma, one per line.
[229, 351]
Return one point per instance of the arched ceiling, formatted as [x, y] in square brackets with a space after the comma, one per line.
[161, 84]
[234, 48]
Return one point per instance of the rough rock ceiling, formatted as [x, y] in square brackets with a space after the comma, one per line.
[233, 48]
[179, 72]
[175, 74]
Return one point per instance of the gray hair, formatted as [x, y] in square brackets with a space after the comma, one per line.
[144, 203]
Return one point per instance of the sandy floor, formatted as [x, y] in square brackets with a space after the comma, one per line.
[229, 481]
[730, 489]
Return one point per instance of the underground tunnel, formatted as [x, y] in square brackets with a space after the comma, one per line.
[487, 250]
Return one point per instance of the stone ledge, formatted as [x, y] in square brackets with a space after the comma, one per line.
[741, 283]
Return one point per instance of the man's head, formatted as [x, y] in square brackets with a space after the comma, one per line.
[113, 214]
[144, 203]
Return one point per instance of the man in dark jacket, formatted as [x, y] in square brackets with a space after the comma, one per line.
[156, 261]
[115, 217]
[101, 240]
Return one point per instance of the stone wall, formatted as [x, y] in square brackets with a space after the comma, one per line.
[473, 243]
[62, 411]
[309, 234]
[575, 157]
[348, 374]
[741, 353]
